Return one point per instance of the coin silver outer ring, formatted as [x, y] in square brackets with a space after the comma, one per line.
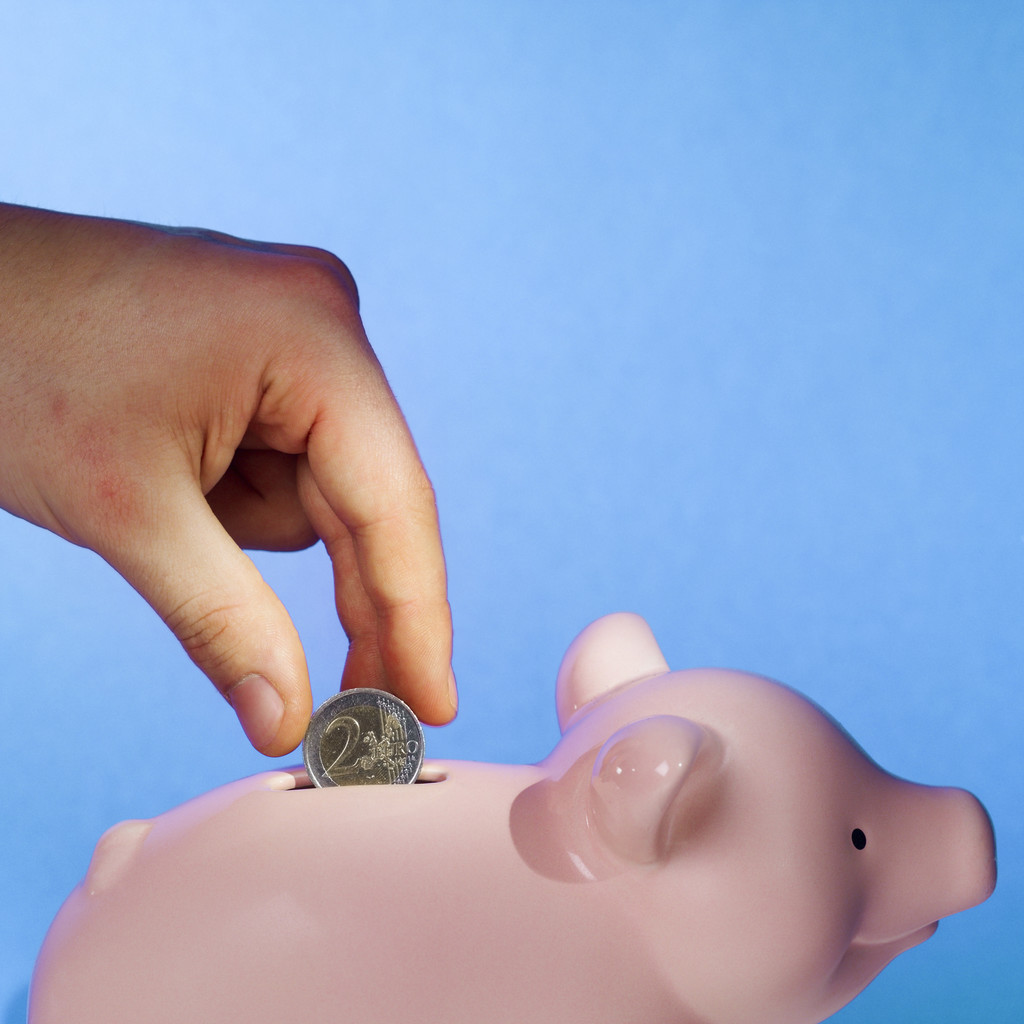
[324, 716]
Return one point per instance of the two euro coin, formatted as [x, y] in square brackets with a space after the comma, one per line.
[363, 737]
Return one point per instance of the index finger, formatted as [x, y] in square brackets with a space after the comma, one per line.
[373, 504]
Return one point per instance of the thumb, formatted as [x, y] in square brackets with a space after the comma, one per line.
[230, 622]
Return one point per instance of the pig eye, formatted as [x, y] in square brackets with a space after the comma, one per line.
[858, 839]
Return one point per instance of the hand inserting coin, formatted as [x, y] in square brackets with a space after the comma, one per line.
[363, 737]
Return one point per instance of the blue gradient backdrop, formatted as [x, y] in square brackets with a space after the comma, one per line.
[710, 311]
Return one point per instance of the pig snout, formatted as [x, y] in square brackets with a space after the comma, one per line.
[933, 855]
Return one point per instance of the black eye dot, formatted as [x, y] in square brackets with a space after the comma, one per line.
[858, 839]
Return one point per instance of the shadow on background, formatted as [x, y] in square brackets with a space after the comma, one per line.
[17, 1008]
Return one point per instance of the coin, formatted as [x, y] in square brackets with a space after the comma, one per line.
[363, 737]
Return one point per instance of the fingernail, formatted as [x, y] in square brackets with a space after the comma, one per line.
[259, 708]
[453, 692]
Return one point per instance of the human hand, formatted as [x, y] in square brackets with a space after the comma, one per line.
[169, 396]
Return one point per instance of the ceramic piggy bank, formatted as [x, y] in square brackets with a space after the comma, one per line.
[701, 847]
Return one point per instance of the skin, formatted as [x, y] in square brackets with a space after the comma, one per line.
[169, 397]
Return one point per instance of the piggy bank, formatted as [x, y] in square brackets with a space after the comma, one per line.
[701, 847]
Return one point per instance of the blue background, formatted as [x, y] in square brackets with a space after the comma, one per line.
[709, 311]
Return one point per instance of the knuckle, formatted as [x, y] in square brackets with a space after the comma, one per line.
[379, 512]
[337, 266]
[205, 631]
[421, 503]
[326, 276]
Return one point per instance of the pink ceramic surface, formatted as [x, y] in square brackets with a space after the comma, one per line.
[701, 847]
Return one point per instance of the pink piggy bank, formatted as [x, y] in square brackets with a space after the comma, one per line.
[701, 847]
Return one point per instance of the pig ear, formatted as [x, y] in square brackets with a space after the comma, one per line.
[609, 653]
[637, 776]
[117, 849]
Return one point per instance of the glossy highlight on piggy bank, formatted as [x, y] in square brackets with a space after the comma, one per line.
[701, 847]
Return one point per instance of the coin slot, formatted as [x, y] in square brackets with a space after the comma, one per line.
[297, 778]
[294, 777]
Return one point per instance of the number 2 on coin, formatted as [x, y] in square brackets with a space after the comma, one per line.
[350, 727]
